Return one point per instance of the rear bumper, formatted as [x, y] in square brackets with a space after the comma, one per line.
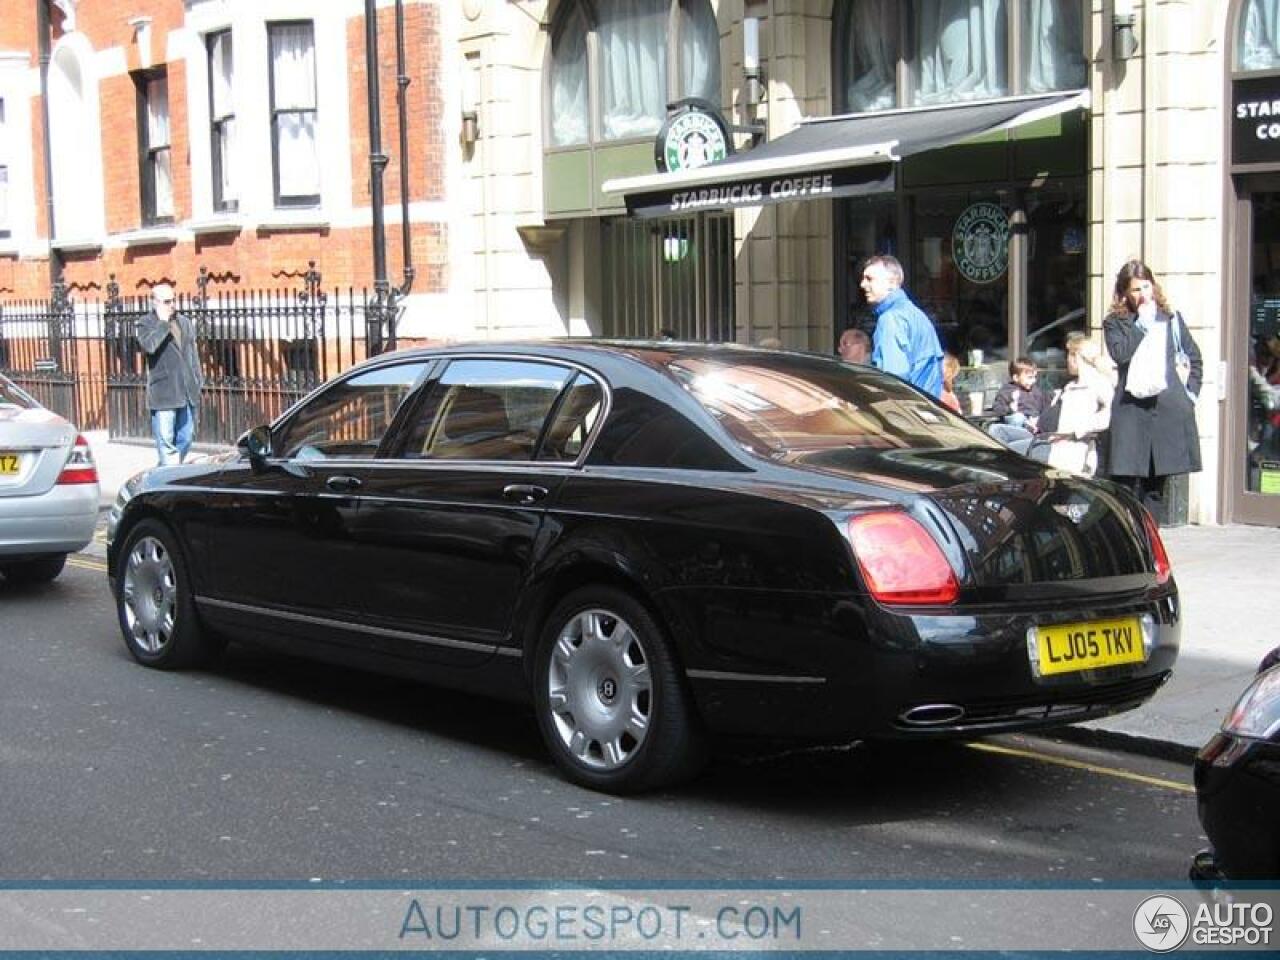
[61, 520]
[863, 672]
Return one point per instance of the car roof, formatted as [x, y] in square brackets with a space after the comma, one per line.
[583, 350]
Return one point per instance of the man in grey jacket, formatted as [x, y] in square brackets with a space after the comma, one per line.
[174, 379]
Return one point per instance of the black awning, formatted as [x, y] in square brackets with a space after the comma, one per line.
[831, 157]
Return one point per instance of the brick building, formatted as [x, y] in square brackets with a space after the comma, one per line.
[228, 134]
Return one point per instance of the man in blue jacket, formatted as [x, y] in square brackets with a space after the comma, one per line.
[905, 342]
[174, 378]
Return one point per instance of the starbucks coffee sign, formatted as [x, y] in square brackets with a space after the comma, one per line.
[980, 243]
[694, 135]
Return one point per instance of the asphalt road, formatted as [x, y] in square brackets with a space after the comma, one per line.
[268, 769]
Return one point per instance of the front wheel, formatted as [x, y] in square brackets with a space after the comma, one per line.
[153, 601]
[611, 704]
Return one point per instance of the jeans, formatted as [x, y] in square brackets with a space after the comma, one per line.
[173, 431]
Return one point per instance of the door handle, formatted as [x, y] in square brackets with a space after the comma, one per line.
[343, 483]
[525, 493]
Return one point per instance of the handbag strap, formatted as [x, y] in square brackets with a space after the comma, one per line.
[1175, 323]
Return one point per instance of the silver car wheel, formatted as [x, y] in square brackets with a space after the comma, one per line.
[600, 689]
[150, 595]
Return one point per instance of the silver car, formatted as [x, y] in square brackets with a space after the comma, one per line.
[48, 489]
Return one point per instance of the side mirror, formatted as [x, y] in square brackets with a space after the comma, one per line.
[256, 443]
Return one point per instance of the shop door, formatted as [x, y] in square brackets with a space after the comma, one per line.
[1253, 390]
[669, 277]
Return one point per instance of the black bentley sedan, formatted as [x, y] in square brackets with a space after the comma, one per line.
[652, 542]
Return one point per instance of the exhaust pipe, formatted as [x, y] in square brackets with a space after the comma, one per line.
[933, 715]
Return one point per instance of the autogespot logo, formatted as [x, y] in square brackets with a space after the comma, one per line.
[1161, 924]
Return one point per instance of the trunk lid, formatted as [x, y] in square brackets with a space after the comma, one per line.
[1012, 528]
[34, 444]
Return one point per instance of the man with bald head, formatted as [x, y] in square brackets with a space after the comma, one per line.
[174, 379]
[855, 346]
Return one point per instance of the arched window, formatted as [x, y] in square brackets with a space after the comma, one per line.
[616, 65]
[1258, 37]
[958, 50]
[74, 139]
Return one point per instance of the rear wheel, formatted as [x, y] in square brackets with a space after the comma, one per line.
[34, 571]
[153, 602]
[610, 701]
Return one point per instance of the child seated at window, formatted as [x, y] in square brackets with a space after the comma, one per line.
[1019, 403]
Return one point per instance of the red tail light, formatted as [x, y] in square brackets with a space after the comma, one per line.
[900, 562]
[1164, 569]
[79, 467]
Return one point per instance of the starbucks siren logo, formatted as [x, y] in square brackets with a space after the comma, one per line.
[980, 243]
[692, 139]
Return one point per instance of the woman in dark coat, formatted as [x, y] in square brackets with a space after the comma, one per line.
[1151, 438]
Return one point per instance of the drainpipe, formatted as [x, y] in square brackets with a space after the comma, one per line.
[402, 86]
[377, 166]
[43, 28]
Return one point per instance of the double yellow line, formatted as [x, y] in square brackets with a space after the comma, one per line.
[85, 562]
[1054, 760]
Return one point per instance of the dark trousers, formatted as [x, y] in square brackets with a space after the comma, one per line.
[1152, 493]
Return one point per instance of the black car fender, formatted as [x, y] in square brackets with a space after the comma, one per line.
[591, 555]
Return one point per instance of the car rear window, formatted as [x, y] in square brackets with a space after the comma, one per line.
[11, 396]
[790, 405]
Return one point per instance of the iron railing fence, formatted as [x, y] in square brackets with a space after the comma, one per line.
[260, 352]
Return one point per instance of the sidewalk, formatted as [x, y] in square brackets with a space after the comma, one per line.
[1225, 577]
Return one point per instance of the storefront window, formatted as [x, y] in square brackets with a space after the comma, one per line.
[1258, 45]
[870, 228]
[1262, 386]
[960, 272]
[1056, 277]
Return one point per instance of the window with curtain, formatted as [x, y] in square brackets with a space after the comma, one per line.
[570, 107]
[1258, 43]
[646, 54]
[1053, 46]
[957, 50]
[870, 48]
[154, 156]
[961, 50]
[633, 66]
[295, 159]
[222, 121]
[699, 51]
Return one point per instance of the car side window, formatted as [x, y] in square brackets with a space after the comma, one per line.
[350, 418]
[487, 410]
[574, 419]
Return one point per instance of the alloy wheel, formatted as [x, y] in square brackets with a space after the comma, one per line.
[600, 689]
[150, 595]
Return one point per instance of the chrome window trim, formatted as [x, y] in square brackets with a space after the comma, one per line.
[605, 410]
[750, 677]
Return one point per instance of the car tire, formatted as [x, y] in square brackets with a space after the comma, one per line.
[34, 571]
[610, 698]
[153, 601]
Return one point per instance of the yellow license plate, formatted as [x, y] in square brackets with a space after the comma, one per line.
[9, 464]
[1070, 647]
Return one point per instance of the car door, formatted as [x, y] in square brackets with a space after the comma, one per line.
[282, 530]
[448, 526]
